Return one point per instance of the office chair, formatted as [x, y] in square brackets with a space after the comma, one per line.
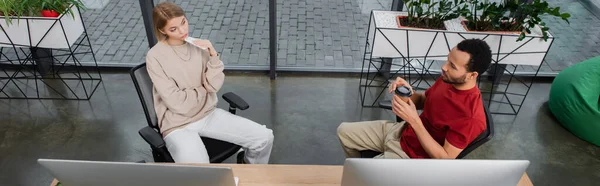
[217, 150]
[484, 137]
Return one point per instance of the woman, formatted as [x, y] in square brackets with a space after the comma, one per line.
[186, 80]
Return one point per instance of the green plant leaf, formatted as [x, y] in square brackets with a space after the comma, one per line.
[521, 36]
[545, 36]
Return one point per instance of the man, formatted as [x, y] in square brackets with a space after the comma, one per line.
[452, 116]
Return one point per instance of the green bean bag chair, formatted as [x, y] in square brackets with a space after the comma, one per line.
[574, 99]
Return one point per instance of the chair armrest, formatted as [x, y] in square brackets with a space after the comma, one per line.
[386, 104]
[235, 101]
[152, 137]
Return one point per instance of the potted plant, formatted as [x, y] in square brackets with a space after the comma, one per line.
[11, 9]
[515, 31]
[17, 8]
[415, 29]
[512, 17]
[520, 35]
[32, 23]
[54, 8]
[430, 14]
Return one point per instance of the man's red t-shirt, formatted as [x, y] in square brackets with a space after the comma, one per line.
[448, 114]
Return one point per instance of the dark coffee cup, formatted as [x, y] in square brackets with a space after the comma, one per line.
[404, 92]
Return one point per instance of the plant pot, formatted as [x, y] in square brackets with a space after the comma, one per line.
[464, 24]
[50, 13]
[505, 47]
[393, 40]
[390, 41]
[42, 32]
[400, 25]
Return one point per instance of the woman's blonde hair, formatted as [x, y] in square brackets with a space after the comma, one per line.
[162, 13]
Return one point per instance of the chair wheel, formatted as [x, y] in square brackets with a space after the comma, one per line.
[240, 158]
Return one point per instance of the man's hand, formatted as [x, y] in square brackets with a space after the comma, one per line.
[398, 83]
[406, 111]
[206, 44]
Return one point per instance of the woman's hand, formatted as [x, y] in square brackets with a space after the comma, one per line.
[208, 45]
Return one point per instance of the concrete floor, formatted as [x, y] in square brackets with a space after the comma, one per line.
[303, 110]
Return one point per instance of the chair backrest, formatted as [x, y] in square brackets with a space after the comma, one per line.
[143, 85]
[485, 136]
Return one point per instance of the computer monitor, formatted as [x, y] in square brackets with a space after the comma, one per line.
[421, 172]
[98, 173]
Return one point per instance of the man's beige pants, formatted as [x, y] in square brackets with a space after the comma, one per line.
[381, 136]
